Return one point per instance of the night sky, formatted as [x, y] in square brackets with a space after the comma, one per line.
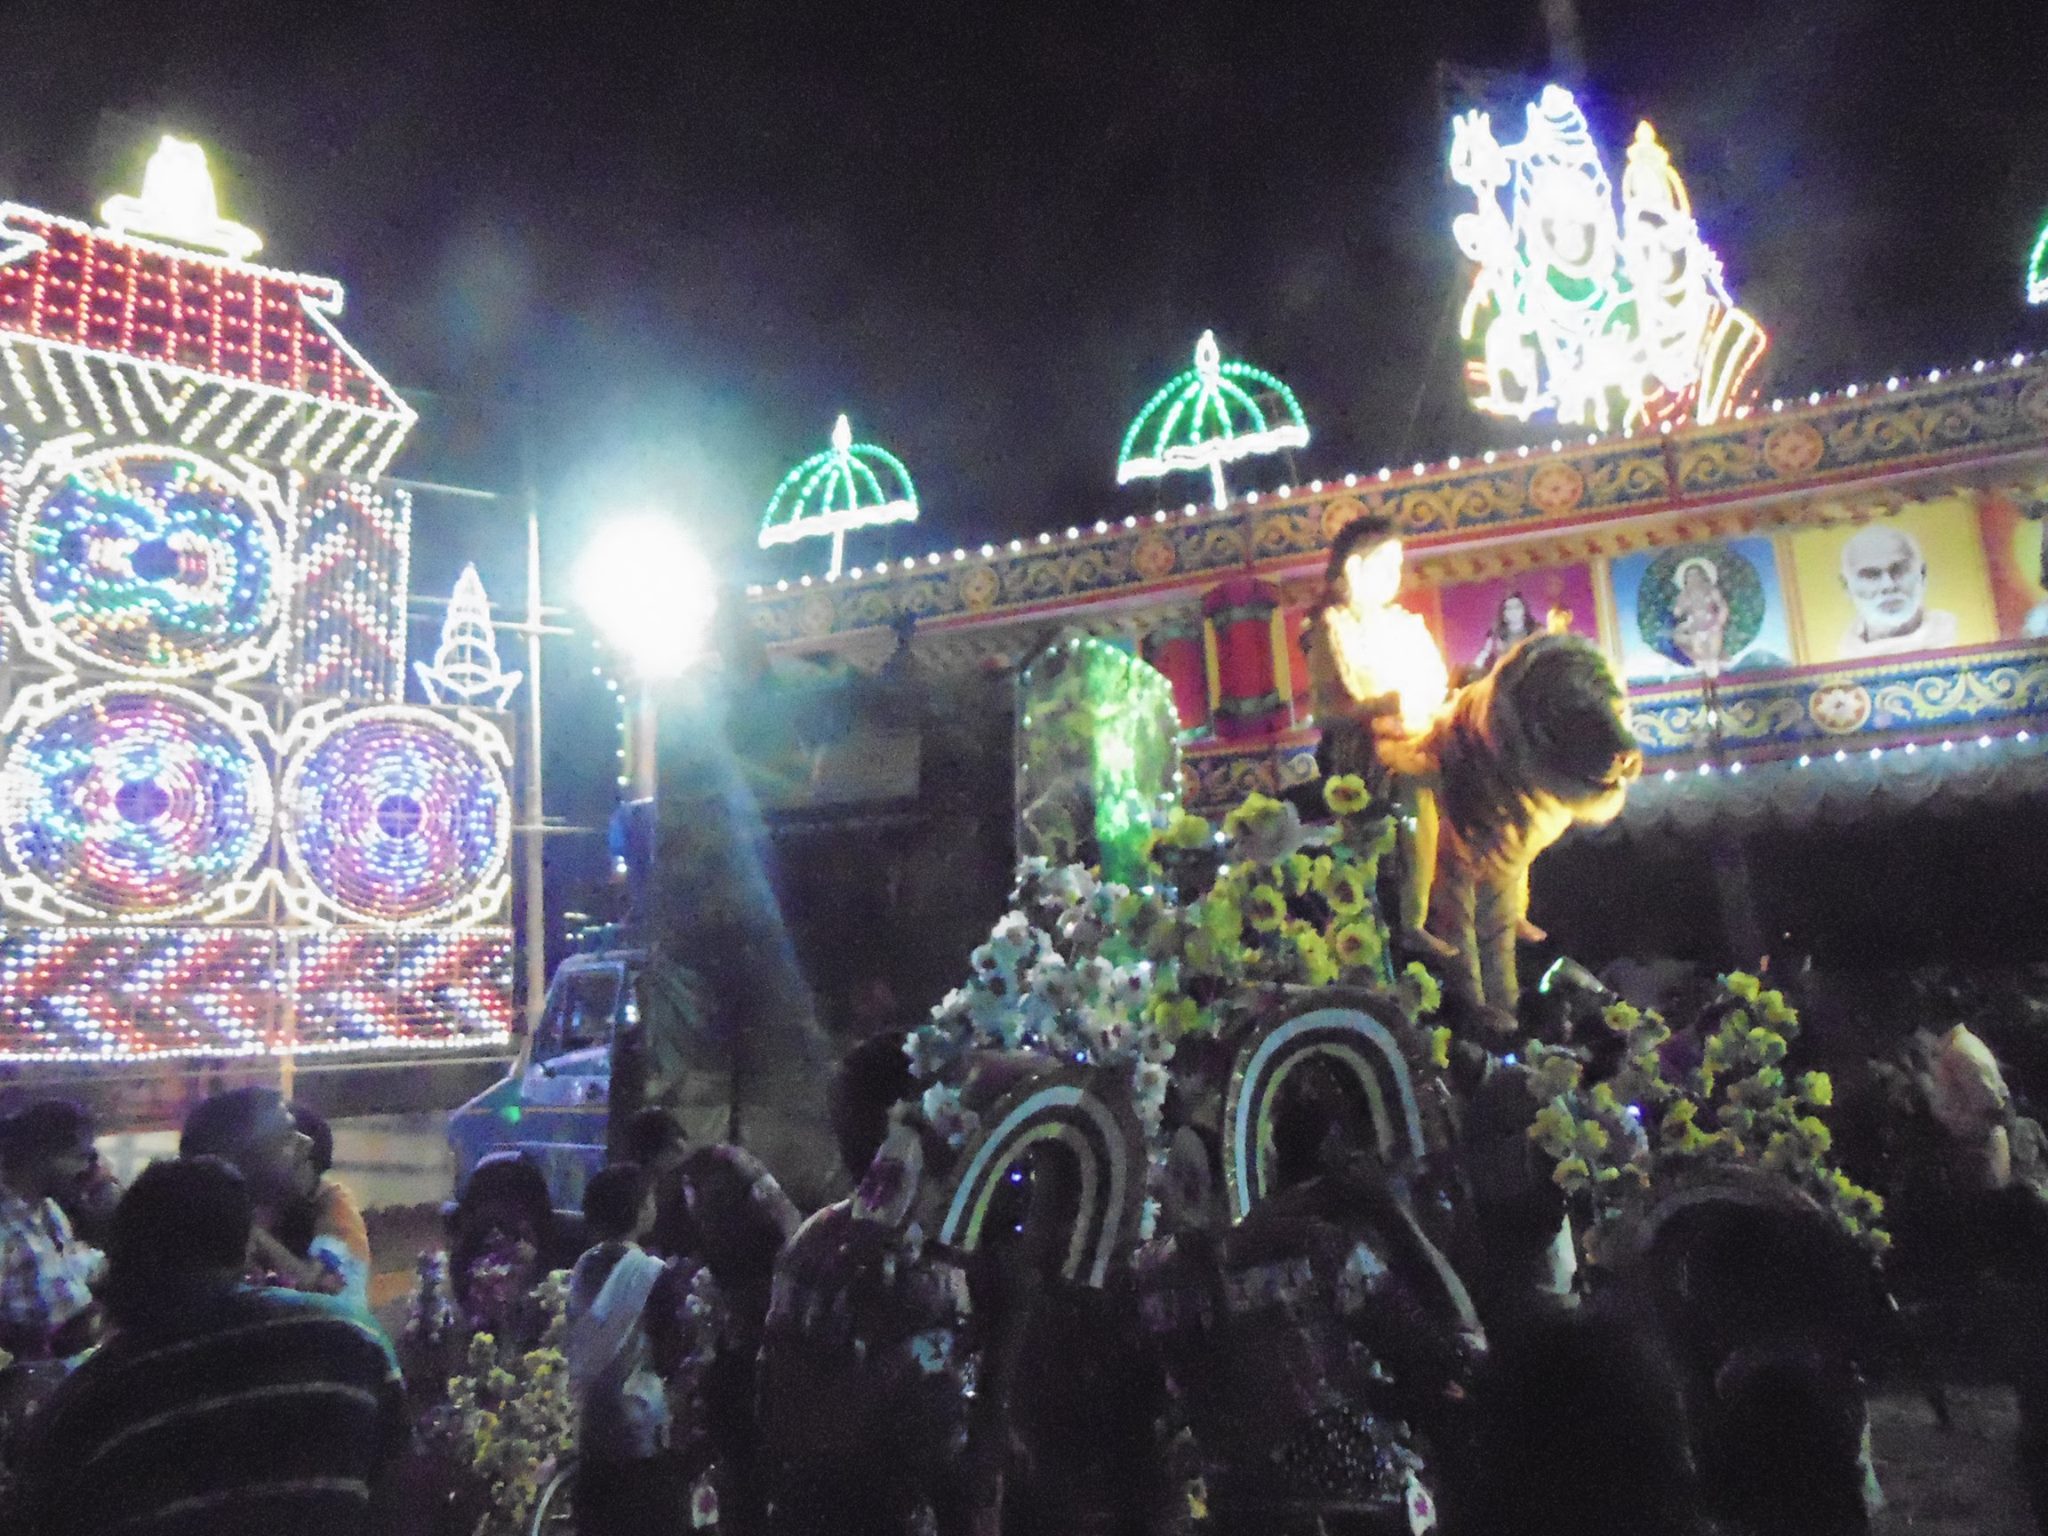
[687, 235]
[692, 233]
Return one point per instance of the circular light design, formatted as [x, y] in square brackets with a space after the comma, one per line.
[134, 802]
[395, 816]
[153, 562]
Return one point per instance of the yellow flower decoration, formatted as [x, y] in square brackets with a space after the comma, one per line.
[1348, 893]
[1818, 1137]
[1299, 870]
[1222, 920]
[1266, 908]
[1255, 812]
[1346, 794]
[1176, 1015]
[1440, 1048]
[1355, 944]
[1315, 957]
[1557, 1073]
[1552, 1127]
[1186, 831]
[1743, 985]
[1427, 991]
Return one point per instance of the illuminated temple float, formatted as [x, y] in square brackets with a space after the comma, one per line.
[1828, 609]
[223, 831]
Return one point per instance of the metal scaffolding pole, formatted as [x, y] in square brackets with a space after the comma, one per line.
[534, 818]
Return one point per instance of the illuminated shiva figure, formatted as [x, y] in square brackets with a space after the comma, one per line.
[1599, 320]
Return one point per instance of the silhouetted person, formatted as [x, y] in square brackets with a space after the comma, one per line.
[501, 1243]
[325, 1224]
[215, 1408]
[254, 1130]
[46, 1272]
[622, 1482]
[1582, 1433]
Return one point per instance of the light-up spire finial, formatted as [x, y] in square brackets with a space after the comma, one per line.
[178, 205]
[466, 667]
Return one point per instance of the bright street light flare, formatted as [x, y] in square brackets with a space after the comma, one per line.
[650, 593]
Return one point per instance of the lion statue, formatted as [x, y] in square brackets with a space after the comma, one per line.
[1518, 757]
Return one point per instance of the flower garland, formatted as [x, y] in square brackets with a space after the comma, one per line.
[1735, 1108]
[512, 1422]
[1104, 975]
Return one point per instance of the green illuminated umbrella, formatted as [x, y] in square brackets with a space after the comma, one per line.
[1213, 414]
[850, 485]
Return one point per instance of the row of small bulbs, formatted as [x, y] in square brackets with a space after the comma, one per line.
[29, 1055]
[1317, 487]
[1843, 755]
[623, 727]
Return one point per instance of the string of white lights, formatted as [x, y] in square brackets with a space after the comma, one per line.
[1734, 766]
[1385, 475]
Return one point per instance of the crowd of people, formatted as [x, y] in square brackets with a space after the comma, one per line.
[196, 1353]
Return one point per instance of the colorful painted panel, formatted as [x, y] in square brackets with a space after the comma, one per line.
[2012, 521]
[1482, 619]
[1840, 711]
[1793, 446]
[1915, 581]
[1700, 609]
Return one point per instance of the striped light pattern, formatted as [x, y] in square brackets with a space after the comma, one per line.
[97, 994]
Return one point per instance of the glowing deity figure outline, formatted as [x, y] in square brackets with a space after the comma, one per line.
[1601, 320]
[1549, 263]
[1696, 347]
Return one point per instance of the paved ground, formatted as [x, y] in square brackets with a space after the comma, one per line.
[1959, 1481]
[397, 1238]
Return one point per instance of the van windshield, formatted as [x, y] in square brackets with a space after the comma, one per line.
[579, 1014]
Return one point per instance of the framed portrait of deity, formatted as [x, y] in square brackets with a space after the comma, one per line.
[1700, 610]
[1479, 622]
